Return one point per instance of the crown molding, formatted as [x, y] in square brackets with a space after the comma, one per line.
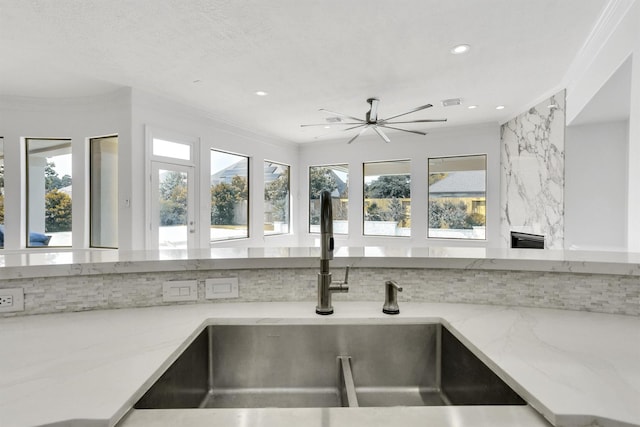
[611, 16]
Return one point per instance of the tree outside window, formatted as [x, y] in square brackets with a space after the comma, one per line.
[387, 198]
[457, 197]
[335, 180]
[229, 196]
[276, 198]
[49, 202]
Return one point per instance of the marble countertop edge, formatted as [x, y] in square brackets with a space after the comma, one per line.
[86, 262]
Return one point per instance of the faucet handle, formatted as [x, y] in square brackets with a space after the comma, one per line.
[346, 275]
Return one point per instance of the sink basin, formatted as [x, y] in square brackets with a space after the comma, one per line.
[326, 365]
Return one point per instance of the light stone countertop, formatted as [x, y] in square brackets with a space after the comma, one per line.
[576, 368]
[36, 263]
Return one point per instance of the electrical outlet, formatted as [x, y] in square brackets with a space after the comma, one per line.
[225, 287]
[11, 300]
[180, 290]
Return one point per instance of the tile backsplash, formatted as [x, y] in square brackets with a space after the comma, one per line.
[603, 293]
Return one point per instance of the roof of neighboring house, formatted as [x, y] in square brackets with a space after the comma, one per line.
[271, 172]
[460, 182]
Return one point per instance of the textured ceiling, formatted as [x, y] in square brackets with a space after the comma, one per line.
[334, 54]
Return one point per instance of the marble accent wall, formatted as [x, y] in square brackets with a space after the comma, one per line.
[532, 173]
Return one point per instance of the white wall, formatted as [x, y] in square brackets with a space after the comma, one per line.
[77, 119]
[596, 186]
[600, 60]
[481, 139]
[151, 112]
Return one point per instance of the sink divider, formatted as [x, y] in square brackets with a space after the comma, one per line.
[347, 386]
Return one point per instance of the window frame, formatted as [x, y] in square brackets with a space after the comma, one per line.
[289, 200]
[27, 195]
[2, 192]
[249, 204]
[335, 229]
[408, 161]
[91, 192]
[486, 182]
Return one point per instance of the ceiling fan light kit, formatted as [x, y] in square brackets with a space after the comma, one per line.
[372, 121]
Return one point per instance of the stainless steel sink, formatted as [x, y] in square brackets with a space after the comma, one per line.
[326, 365]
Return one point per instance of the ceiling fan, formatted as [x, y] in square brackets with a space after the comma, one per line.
[372, 121]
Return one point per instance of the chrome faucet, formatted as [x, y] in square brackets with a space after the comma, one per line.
[325, 287]
[391, 290]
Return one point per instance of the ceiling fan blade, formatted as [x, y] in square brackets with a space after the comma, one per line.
[422, 107]
[372, 115]
[359, 133]
[331, 124]
[382, 134]
[415, 121]
[354, 127]
[324, 110]
[404, 130]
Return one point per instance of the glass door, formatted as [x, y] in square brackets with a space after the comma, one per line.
[173, 223]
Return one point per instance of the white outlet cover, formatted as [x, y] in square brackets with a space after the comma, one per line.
[180, 290]
[224, 287]
[17, 297]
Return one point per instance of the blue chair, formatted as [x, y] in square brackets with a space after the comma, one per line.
[35, 239]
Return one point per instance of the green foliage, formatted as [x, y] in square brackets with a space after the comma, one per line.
[173, 199]
[373, 212]
[57, 215]
[475, 220]
[320, 179]
[389, 186]
[224, 197]
[51, 179]
[396, 211]
[277, 192]
[447, 215]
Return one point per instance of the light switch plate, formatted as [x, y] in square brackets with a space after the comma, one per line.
[224, 287]
[180, 290]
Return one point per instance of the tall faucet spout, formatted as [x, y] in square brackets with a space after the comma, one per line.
[326, 227]
[325, 287]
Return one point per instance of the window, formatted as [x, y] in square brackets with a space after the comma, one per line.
[49, 192]
[457, 197]
[335, 179]
[103, 166]
[276, 198]
[1, 193]
[174, 150]
[387, 198]
[229, 196]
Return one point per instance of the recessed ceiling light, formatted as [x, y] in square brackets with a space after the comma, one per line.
[327, 127]
[551, 106]
[500, 107]
[261, 93]
[472, 107]
[461, 48]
